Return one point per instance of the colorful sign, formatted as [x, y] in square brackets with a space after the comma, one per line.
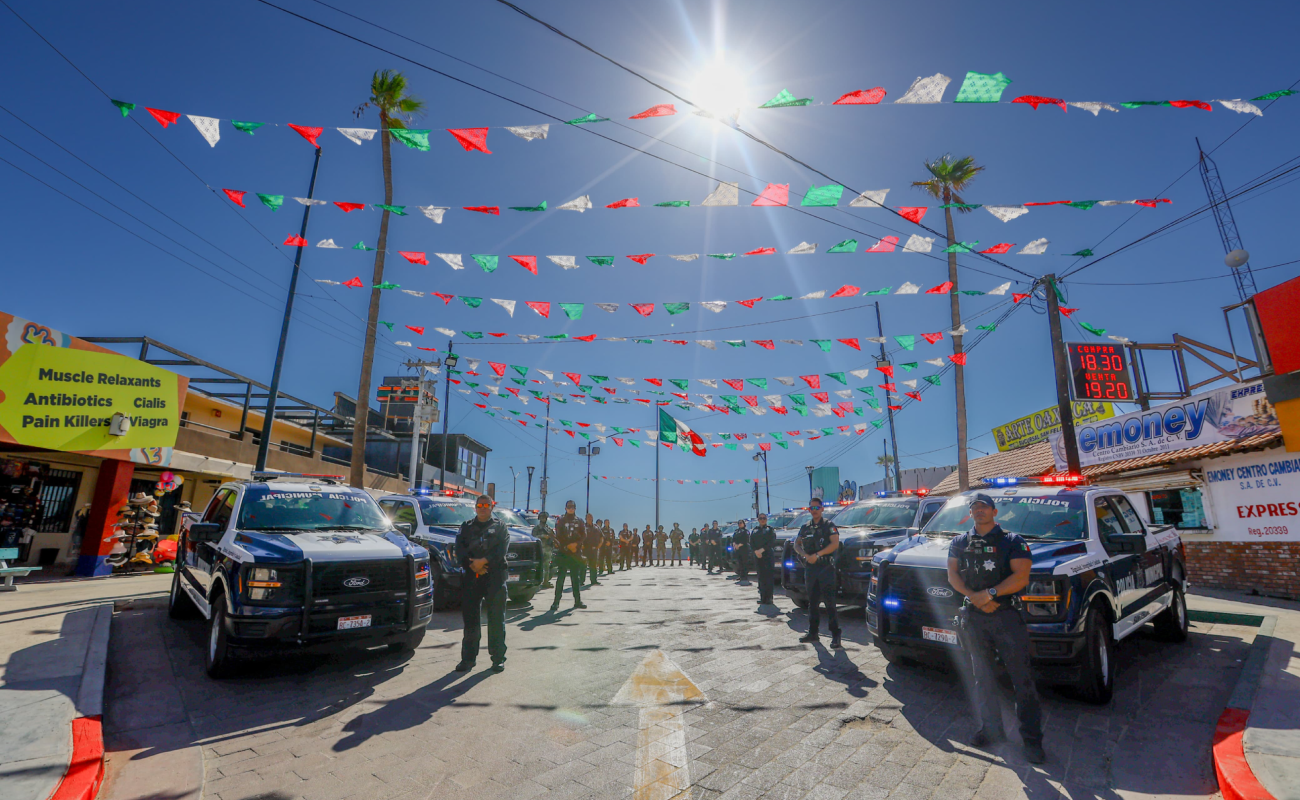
[1255, 497]
[1235, 412]
[1036, 427]
[62, 393]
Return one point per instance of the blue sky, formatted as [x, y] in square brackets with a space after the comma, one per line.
[74, 270]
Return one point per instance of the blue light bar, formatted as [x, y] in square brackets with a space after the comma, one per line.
[1004, 481]
[892, 602]
[790, 564]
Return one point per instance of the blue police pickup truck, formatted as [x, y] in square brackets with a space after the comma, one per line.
[1099, 574]
[296, 562]
[433, 522]
[866, 528]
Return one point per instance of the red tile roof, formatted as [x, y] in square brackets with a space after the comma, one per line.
[1250, 443]
[1036, 459]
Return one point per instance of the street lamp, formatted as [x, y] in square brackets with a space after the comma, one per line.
[514, 498]
[588, 452]
[767, 486]
[450, 361]
[810, 486]
[528, 499]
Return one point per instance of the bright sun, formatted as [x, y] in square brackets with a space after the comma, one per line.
[719, 89]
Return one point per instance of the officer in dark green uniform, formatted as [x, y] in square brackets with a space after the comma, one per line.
[543, 533]
[763, 542]
[570, 532]
[816, 544]
[482, 544]
[990, 567]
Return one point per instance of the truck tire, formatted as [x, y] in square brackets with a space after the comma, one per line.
[1097, 678]
[1171, 624]
[441, 589]
[179, 604]
[218, 655]
[411, 642]
[524, 596]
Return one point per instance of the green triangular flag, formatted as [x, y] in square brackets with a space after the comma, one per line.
[933, 379]
[523, 371]
[723, 256]
[644, 341]
[680, 383]
[873, 403]
[784, 99]
[361, 246]
[386, 285]
[735, 342]
[779, 297]
[907, 342]
[909, 366]
[272, 201]
[962, 206]
[1273, 95]
[868, 390]
[389, 324]
[634, 442]
[827, 431]
[617, 429]
[961, 247]
[676, 308]
[398, 210]
[599, 378]
[488, 263]
[801, 411]
[566, 423]
[1093, 330]
[418, 140]
[989, 328]
[725, 435]
[534, 393]
[584, 120]
[846, 246]
[798, 399]
[601, 261]
[1083, 204]
[824, 344]
[885, 290]
[759, 382]
[730, 446]
[877, 423]
[971, 292]
[472, 302]
[775, 435]
[783, 445]
[556, 336]
[519, 381]
[246, 127]
[123, 106]
[729, 399]
[981, 88]
[839, 376]
[823, 196]
[539, 207]
[584, 435]
[572, 310]
[1085, 252]
[1140, 103]
[674, 204]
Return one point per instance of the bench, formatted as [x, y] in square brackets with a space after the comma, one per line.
[8, 554]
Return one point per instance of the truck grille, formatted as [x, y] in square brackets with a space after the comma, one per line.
[521, 552]
[916, 606]
[342, 579]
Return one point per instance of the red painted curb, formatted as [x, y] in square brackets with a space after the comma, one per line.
[81, 782]
[1236, 779]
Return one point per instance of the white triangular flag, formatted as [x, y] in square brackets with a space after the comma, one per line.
[1007, 213]
[579, 204]
[1117, 202]
[546, 373]
[960, 330]
[473, 363]
[1240, 106]
[1093, 108]
[759, 411]
[844, 393]
[688, 257]
[508, 305]
[610, 307]
[708, 398]
[529, 132]
[1120, 339]
[938, 362]
[445, 331]
[860, 426]
[413, 293]
[798, 442]
[358, 135]
[908, 288]
[528, 337]
[871, 198]
[803, 248]
[709, 343]
[403, 344]
[208, 128]
[1035, 248]
[860, 373]
[1001, 290]
[714, 305]
[817, 295]
[748, 446]
[727, 194]
[918, 244]
[926, 90]
[329, 282]
[434, 212]
[784, 381]
[875, 340]
[795, 342]
[615, 338]
[568, 262]
[652, 434]
[328, 244]
[772, 399]
[910, 384]
[628, 381]
[307, 201]
[452, 259]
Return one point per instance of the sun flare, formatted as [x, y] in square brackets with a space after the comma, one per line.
[719, 89]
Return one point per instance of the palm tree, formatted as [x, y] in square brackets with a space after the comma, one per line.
[886, 461]
[388, 96]
[948, 176]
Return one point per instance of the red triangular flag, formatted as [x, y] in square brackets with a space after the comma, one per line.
[762, 251]
[862, 97]
[430, 349]
[1017, 297]
[499, 369]
[1053, 203]
[751, 400]
[1036, 100]
[413, 257]
[1152, 202]
[644, 309]
[748, 303]
[813, 381]
[674, 341]
[164, 118]
[822, 397]
[735, 383]
[846, 291]
[527, 262]
[540, 307]
[496, 210]
[885, 245]
[296, 240]
[850, 342]
[914, 395]
[1191, 104]
[309, 134]
[895, 408]
[958, 358]
[1067, 311]
[236, 196]
[766, 344]
[999, 249]
[348, 207]
[571, 436]
[610, 390]
[655, 381]
[591, 337]
[780, 410]
[479, 405]
[932, 337]
[888, 370]
[446, 298]
[912, 213]
[764, 446]
[942, 288]
[642, 258]
[661, 110]
[471, 138]
[355, 283]
[679, 394]
[576, 377]
[627, 202]
[417, 329]
[889, 387]
[497, 335]
[775, 194]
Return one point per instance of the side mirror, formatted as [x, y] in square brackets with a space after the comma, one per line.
[405, 528]
[206, 532]
[1126, 542]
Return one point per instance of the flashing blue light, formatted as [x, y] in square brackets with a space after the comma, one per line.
[1005, 481]
[790, 564]
[422, 490]
[892, 602]
[882, 494]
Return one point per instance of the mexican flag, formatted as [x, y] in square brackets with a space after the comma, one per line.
[674, 431]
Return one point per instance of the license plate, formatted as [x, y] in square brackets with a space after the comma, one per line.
[939, 635]
[348, 623]
[512, 579]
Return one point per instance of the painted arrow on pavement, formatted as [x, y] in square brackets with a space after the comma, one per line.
[664, 693]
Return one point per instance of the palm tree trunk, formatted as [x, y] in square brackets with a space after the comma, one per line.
[959, 378]
[358, 477]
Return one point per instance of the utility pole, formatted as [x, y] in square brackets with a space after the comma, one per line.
[514, 484]
[546, 452]
[528, 498]
[893, 436]
[767, 486]
[451, 360]
[268, 415]
[420, 415]
[1062, 365]
[659, 433]
[590, 451]
[1241, 274]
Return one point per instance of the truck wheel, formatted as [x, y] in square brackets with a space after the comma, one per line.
[1096, 683]
[441, 589]
[219, 658]
[179, 604]
[1171, 624]
[412, 642]
[525, 596]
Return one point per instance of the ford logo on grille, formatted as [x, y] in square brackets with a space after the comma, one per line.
[360, 581]
[939, 591]
[512, 556]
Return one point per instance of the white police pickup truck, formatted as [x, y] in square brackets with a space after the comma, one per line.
[1099, 574]
[433, 522]
[296, 562]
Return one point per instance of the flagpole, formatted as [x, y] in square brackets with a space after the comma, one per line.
[659, 428]
[898, 476]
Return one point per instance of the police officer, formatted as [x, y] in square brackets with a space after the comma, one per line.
[740, 547]
[714, 539]
[647, 547]
[816, 544]
[763, 541]
[543, 533]
[626, 547]
[594, 536]
[675, 537]
[636, 546]
[482, 543]
[569, 536]
[990, 567]
[693, 547]
[661, 545]
[608, 544]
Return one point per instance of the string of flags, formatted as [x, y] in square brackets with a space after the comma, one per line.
[681, 481]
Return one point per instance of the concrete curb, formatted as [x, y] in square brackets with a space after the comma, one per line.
[86, 769]
[1236, 779]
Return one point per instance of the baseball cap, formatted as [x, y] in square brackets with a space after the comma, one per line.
[982, 498]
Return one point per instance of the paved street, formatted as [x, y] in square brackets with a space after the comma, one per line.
[772, 718]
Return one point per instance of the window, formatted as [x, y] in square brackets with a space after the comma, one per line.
[1182, 508]
[929, 511]
[221, 508]
[58, 498]
[1108, 522]
[1126, 511]
[273, 509]
[402, 511]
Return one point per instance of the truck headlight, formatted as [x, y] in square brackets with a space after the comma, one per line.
[1044, 597]
[263, 583]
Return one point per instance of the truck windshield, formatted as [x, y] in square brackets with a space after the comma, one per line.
[806, 517]
[883, 514]
[510, 518]
[445, 514]
[1052, 517]
[282, 510]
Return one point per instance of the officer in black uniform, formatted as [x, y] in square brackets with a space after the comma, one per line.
[482, 544]
[763, 541]
[713, 548]
[570, 533]
[740, 547]
[816, 544]
[990, 567]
